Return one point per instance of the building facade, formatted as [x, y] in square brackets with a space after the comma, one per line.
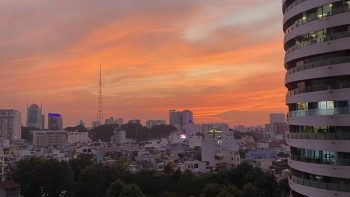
[119, 137]
[78, 137]
[34, 117]
[10, 124]
[152, 123]
[180, 118]
[50, 138]
[55, 121]
[317, 60]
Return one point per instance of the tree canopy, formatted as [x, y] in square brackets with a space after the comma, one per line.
[133, 131]
[82, 177]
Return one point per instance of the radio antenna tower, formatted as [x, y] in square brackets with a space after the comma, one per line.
[100, 110]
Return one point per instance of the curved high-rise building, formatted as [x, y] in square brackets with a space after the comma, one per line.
[317, 60]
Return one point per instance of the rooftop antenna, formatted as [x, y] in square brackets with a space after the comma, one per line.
[100, 110]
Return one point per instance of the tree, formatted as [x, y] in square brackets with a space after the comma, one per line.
[79, 164]
[249, 190]
[131, 190]
[284, 187]
[267, 185]
[229, 191]
[47, 177]
[116, 188]
[42, 177]
[211, 189]
[94, 180]
[242, 154]
[78, 128]
[189, 184]
[168, 169]
[102, 132]
[121, 165]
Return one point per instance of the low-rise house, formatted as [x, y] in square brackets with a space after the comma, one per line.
[85, 150]
[195, 166]
[9, 188]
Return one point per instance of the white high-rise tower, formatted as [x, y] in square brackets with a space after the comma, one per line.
[317, 60]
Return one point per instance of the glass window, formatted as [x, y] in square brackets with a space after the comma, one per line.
[322, 105]
[326, 105]
[327, 10]
[330, 104]
[319, 13]
[302, 105]
[347, 3]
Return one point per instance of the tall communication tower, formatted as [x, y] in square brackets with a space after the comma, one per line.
[100, 109]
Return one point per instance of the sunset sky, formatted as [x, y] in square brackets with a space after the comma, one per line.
[221, 59]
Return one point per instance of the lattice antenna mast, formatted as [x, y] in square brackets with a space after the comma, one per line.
[100, 108]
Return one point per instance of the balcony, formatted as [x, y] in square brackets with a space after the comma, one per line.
[323, 161]
[321, 185]
[320, 87]
[292, 5]
[319, 136]
[320, 63]
[320, 112]
[305, 20]
[318, 40]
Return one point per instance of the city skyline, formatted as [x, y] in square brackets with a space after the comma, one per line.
[155, 57]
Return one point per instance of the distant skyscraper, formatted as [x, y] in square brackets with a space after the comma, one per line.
[187, 117]
[175, 118]
[317, 60]
[152, 123]
[43, 121]
[180, 118]
[55, 122]
[278, 124]
[34, 117]
[10, 124]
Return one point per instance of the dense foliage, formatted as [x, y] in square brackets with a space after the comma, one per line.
[133, 131]
[81, 177]
[78, 128]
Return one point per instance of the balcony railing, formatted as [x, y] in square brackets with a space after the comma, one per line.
[331, 161]
[320, 63]
[320, 87]
[320, 112]
[301, 21]
[319, 40]
[295, 3]
[341, 187]
[319, 136]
